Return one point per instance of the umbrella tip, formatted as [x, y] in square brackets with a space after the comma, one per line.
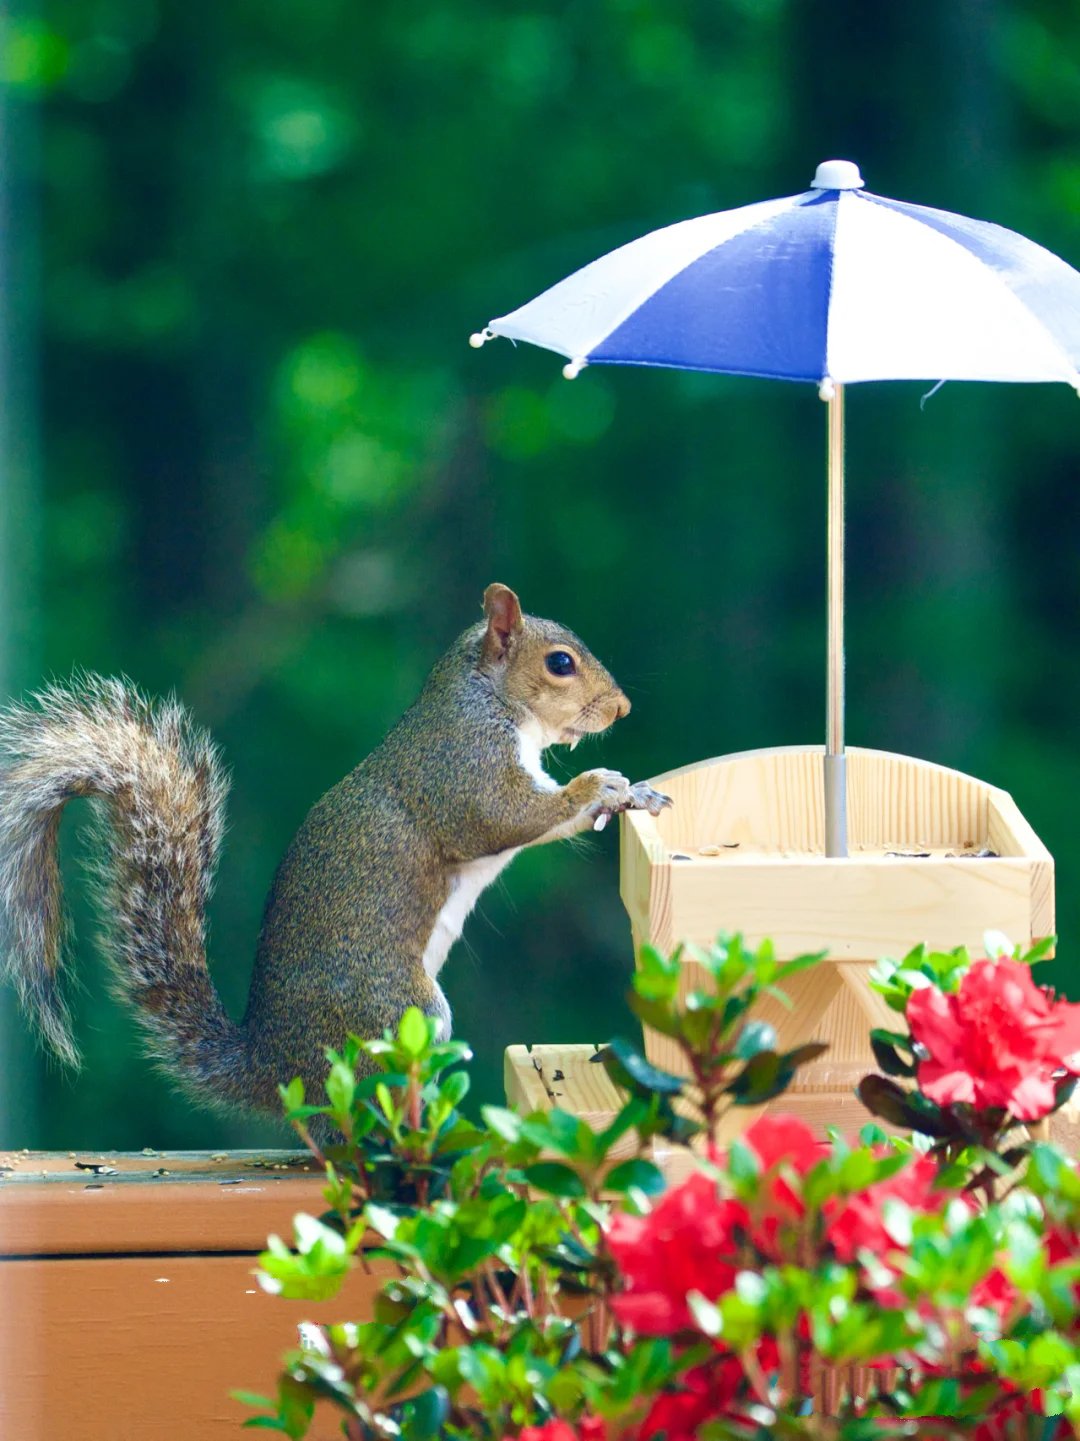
[481, 337]
[838, 175]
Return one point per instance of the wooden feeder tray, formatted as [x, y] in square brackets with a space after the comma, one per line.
[935, 857]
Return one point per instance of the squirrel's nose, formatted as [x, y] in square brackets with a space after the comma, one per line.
[623, 706]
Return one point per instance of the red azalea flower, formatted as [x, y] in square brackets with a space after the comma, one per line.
[782, 1140]
[1063, 1244]
[1007, 1418]
[704, 1393]
[855, 1223]
[687, 1243]
[589, 1428]
[690, 1242]
[996, 1042]
[995, 1292]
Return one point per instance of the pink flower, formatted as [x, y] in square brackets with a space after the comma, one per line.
[997, 1042]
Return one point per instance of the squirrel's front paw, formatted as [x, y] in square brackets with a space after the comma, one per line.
[614, 793]
[596, 794]
[640, 797]
[609, 790]
[644, 798]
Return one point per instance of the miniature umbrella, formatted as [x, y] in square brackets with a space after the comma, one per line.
[832, 286]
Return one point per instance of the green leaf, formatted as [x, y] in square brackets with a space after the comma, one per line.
[340, 1086]
[292, 1095]
[634, 1113]
[382, 1220]
[252, 1398]
[455, 1088]
[414, 1031]
[800, 963]
[802, 1055]
[385, 1098]
[637, 1174]
[555, 1178]
[888, 1058]
[561, 1131]
[655, 1013]
[915, 980]
[425, 1415]
[779, 995]
[908, 1109]
[639, 1071]
[1040, 951]
[743, 1163]
[504, 1123]
[900, 1039]
[759, 1080]
[657, 975]
[391, 1310]
[755, 1036]
[886, 1099]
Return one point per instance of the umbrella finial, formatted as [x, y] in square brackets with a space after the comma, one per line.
[481, 337]
[838, 175]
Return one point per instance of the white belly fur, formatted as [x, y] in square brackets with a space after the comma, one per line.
[476, 876]
[469, 880]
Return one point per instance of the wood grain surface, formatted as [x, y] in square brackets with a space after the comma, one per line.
[146, 1348]
[128, 1307]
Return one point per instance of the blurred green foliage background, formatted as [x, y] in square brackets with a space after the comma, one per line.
[247, 454]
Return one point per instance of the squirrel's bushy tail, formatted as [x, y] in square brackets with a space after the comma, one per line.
[161, 788]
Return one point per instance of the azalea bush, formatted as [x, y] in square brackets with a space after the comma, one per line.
[549, 1285]
[985, 1049]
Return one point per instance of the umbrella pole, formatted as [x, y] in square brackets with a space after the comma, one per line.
[835, 759]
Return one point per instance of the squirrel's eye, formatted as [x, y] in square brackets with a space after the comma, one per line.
[560, 663]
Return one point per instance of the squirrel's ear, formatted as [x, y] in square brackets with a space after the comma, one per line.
[503, 610]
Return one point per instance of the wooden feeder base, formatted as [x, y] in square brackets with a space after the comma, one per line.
[935, 857]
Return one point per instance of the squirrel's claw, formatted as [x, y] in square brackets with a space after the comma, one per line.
[639, 797]
[644, 798]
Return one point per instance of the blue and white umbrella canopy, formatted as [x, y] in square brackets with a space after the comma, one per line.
[833, 284]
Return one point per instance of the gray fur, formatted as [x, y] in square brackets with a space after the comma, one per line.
[161, 788]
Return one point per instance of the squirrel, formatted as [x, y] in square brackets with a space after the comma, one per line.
[372, 892]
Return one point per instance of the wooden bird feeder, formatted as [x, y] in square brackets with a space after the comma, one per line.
[934, 856]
